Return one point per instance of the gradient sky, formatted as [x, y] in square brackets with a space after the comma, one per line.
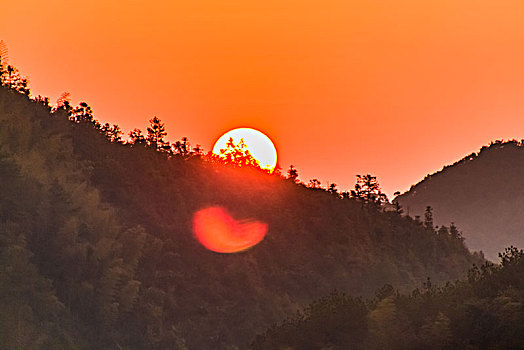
[394, 88]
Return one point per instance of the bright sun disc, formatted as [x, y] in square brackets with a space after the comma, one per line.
[259, 145]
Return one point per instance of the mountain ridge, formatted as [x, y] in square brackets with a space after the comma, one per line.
[481, 193]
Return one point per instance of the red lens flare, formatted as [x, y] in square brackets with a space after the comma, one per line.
[216, 230]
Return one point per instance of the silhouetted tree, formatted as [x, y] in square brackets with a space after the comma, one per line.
[292, 173]
[368, 190]
[136, 137]
[182, 148]
[112, 133]
[10, 77]
[314, 183]
[155, 135]
[454, 232]
[43, 101]
[333, 189]
[83, 113]
[237, 155]
[64, 97]
[197, 151]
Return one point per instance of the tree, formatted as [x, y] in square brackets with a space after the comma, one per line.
[112, 133]
[314, 183]
[11, 78]
[197, 151]
[63, 104]
[43, 101]
[83, 113]
[237, 155]
[368, 190]
[454, 232]
[511, 256]
[292, 174]
[182, 148]
[9, 75]
[155, 135]
[136, 137]
[333, 189]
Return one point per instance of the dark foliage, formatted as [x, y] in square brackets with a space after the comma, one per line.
[486, 311]
[99, 233]
[483, 194]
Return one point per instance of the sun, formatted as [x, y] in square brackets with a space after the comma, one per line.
[259, 145]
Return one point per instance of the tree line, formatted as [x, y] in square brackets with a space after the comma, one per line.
[484, 311]
[366, 188]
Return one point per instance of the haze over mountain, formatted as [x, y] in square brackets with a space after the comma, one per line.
[483, 194]
[97, 250]
[483, 312]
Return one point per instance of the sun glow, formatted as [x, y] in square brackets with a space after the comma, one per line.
[259, 145]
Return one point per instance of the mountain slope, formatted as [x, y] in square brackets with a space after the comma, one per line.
[486, 311]
[482, 193]
[109, 226]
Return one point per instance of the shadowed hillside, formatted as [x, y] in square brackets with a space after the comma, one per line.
[483, 194]
[483, 312]
[97, 248]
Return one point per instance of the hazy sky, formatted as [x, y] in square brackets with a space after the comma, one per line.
[394, 88]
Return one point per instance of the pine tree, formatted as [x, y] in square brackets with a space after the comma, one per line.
[155, 134]
[292, 174]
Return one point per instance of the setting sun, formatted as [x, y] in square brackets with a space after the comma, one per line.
[257, 143]
[266, 174]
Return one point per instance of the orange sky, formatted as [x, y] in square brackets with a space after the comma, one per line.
[394, 88]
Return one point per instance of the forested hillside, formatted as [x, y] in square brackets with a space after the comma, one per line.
[483, 194]
[484, 311]
[97, 250]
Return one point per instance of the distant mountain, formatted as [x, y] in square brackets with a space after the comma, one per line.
[97, 249]
[483, 194]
